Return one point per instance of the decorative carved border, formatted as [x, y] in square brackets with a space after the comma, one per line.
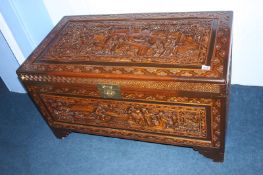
[161, 85]
[150, 137]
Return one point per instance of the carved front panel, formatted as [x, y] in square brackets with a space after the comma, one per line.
[172, 41]
[173, 119]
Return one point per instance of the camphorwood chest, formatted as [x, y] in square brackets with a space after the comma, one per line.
[161, 77]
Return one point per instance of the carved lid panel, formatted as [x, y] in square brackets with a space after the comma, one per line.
[172, 42]
[169, 44]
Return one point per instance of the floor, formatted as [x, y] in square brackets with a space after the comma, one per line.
[28, 147]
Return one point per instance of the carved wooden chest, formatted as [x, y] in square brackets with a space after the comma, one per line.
[160, 78]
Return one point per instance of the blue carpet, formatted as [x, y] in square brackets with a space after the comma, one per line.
[27, 145]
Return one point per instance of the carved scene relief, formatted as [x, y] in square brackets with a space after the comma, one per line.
[177, 41]
[165, 119]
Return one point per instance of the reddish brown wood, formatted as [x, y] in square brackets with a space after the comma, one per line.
[60, 133]
[160, 78]
[216, 154]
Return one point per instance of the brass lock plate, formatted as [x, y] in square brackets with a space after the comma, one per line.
[109, 91]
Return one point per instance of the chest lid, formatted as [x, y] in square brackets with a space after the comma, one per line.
[186, 46]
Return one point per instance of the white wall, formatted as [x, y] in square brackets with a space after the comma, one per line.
[23, 25]
[8, 63]
[248, 25]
